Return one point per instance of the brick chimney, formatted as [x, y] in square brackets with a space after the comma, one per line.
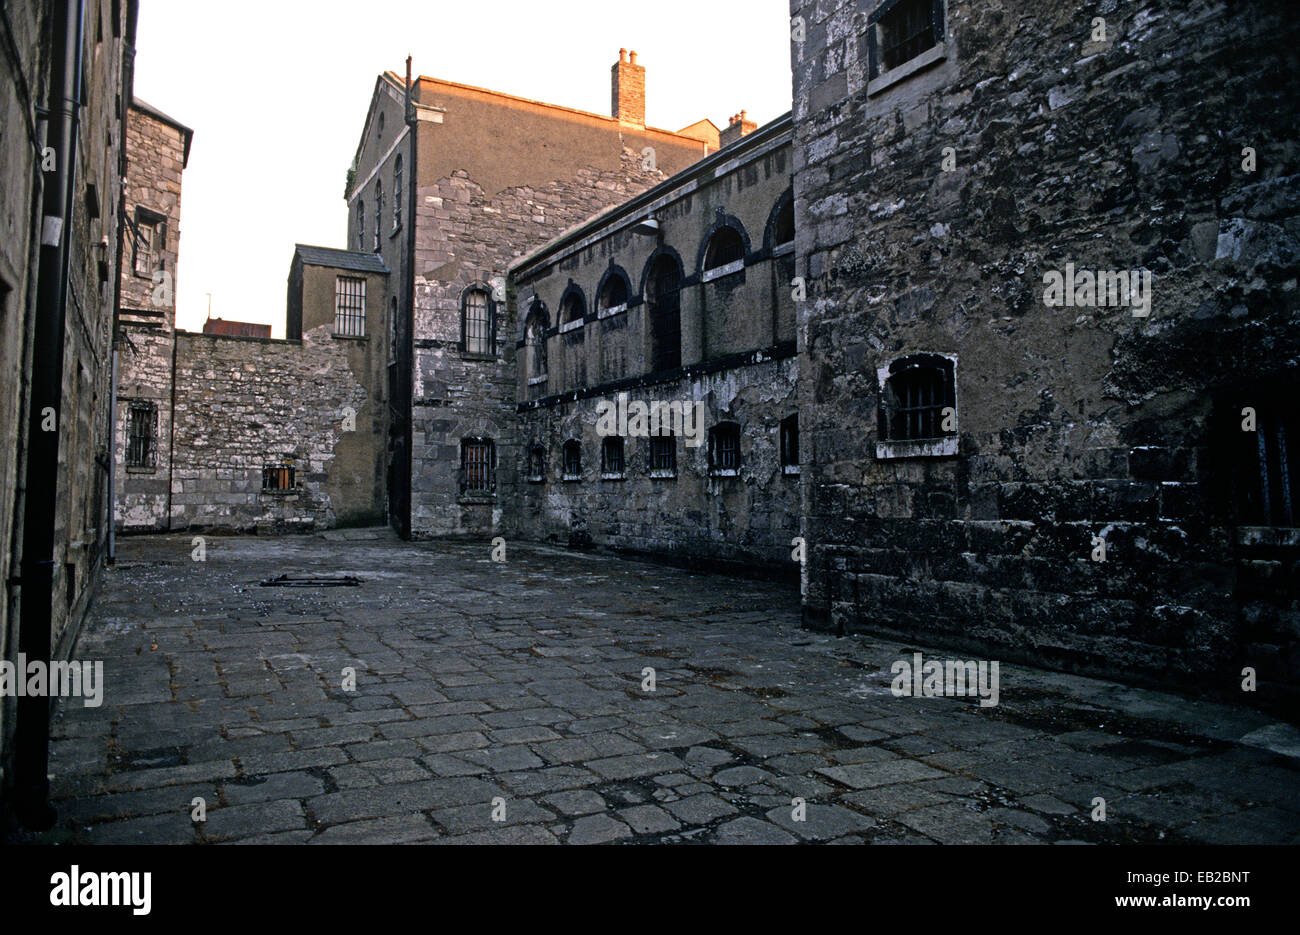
[628, 97]
[739, 126]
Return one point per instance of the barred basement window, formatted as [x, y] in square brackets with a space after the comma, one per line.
[478, 465]
[790, 445]
[663, 455]
[141, 430]
[573, 460]
[476, 322]
[1268, 468]
[724, 449]
[536, 464]
[278, 477]
[612, 464]
[350, 306]
[900, 30]
[918, 407]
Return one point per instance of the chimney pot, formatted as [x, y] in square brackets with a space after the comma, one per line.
[633, 56]
[622, 55]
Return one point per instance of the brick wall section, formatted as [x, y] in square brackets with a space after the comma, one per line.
[1074, 422]
[244, 403]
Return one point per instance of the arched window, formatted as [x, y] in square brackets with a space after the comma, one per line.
[726, 247]
[663, 293]
[918, 400]
[783, 224]
[476, 322]
[573, 460]
[379, 212]
[614, 294]
[535, 345]
[612, 462]
[379, 127]
[572, 308]
[536, 464]
[397, 192]
[361, 224]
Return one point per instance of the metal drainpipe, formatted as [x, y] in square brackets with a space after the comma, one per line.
[32, 731]
[408, 284]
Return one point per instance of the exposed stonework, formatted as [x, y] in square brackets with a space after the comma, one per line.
[245, 403]
[1114, 152]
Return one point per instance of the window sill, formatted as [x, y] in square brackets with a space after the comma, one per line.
[922, 448]
[898, 73]
[663, 475]
[280, 493]
[351, 337]
[474, 355]
[538, 381]
[476, 498]
[131, 469]
[719, 272]
[537, 480]
[571, 326]
[572, 478]
[782, 249]
[611, 312]
[1266, 536]
[613, 476]
[790, 470]
[725, 472]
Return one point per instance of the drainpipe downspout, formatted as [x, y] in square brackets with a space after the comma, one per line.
[32, 731]
[408, 284]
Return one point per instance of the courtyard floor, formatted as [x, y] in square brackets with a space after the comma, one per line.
[514, 691]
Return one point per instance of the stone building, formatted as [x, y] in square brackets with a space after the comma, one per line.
[678, 300]
[448, 187]
[158, 149]
[1013, 441]
[63, 95]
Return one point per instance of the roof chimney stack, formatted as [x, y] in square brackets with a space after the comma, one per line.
[628, 97]
[739, 125]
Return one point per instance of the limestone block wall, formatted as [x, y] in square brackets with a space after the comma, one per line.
[246, 403]
[929, 210]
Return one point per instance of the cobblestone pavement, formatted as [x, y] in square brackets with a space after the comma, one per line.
[522, 683]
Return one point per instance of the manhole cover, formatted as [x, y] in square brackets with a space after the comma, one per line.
[312, 581]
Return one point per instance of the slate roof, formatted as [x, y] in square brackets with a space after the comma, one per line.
[353, 260]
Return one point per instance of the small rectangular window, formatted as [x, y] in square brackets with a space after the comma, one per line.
[724, 449]
[477, 322]
[478, 466]
[612, 464]
[150, 241]
[278, 477]
[663, 455]
[141, 431]
[790, 445]
[900, 30]
[350, 306]
[572, 460]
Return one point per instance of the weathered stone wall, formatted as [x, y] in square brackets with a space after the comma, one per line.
[1113, 153]
[155, 161]
[246, 403]
[737, 353]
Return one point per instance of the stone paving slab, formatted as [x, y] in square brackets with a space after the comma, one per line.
[513, 691]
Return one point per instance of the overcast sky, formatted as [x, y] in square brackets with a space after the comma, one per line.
[276, 92]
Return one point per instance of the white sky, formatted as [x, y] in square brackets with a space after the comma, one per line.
[276, 92]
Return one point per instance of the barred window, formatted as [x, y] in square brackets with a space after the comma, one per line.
[724, 448]
[915, 394]
[141, 431]
[535, 344]
[278, 477]
[663, 455]
[476, 322]
[614, 294]
[350, 306]
[725, 247]
[790, 444]
[611, 457]
[901, 30]
[573, 460]
[1268, 466]
[478, 465]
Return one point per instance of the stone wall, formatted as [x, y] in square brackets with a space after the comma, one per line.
[930, 208]
[737, 361]
[245, 403]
